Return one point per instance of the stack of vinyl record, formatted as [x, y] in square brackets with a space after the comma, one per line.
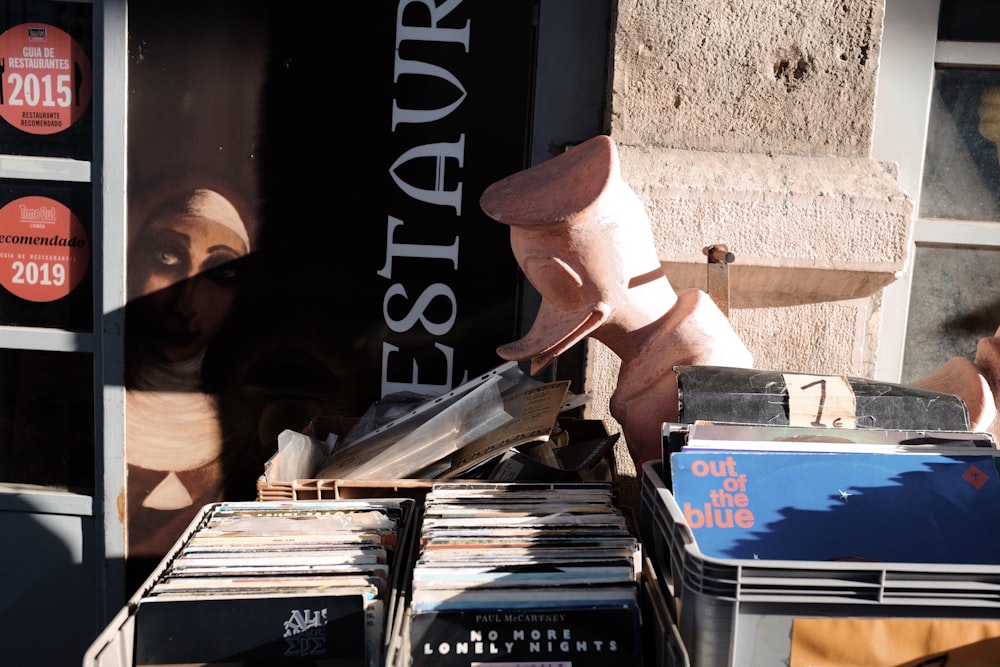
[546, 573]
[277, 583]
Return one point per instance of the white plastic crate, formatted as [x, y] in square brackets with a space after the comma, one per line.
[737, 612]
[664, 646]
[116, 645]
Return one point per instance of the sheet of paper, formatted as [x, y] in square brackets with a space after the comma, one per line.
[534, 411]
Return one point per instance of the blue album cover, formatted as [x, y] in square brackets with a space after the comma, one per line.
[829, 506]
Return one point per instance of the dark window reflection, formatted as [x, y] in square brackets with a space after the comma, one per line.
[47, 419]
[969, 21]
[75, 141]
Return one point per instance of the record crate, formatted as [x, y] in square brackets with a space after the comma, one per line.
[747, 613]
[320, 427]
[338, 489]
[237, 589]
[664, 647]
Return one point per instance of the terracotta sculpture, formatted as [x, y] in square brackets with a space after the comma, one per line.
[583, 239]
[977, 382]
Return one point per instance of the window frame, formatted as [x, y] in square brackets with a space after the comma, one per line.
[106, 175]
[961, 232]
[910, 54]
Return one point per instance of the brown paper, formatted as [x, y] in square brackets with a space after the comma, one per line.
[894, 642]
[820, 400]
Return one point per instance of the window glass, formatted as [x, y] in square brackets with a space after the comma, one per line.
[47, 419]
[46, 277]
[961, 178]
[46, 79]
[969, 21]
[954, 301]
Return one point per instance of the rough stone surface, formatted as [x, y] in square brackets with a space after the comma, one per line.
[749, 124]
[838, 225]
[790, 76]
[823, 338]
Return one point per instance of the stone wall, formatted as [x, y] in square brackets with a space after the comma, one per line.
[749, 124]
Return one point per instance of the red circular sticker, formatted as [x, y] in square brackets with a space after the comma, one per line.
[45, 78]
[44, 251]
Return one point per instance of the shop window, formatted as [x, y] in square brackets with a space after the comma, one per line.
[47, 241]
[46, 419]
[47, 76]
[953, 298]
[45, 255]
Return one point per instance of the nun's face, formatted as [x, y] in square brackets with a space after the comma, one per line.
[184, 282]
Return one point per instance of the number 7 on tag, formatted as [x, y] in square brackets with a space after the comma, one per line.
[820, 401]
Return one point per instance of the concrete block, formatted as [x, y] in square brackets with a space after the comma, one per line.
[795, 77]
[803, 229]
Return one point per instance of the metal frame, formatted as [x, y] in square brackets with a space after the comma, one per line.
[106, 174]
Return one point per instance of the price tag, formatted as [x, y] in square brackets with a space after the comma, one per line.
[44, 250]
[820, 400]
[46, 81]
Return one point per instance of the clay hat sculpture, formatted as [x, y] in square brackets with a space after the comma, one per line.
[581, 236]
[583, 239]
